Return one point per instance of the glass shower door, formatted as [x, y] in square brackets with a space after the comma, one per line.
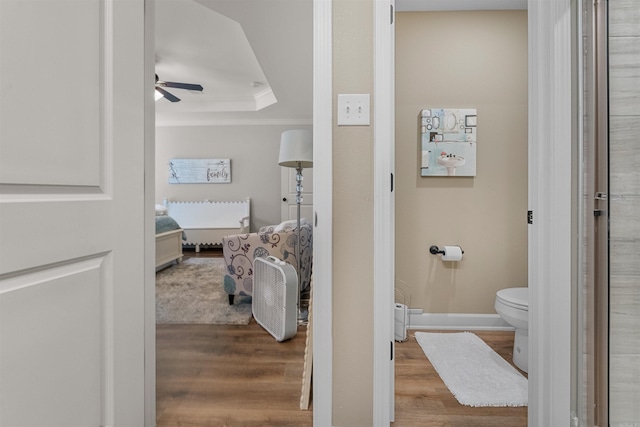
[608, 297]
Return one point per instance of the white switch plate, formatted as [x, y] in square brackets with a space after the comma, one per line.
[353, 110]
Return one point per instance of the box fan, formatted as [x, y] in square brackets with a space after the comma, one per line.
[275, 297]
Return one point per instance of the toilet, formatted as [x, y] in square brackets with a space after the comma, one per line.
[512, 304]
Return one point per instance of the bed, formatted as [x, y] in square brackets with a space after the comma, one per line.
[169, 237]
[207, 222]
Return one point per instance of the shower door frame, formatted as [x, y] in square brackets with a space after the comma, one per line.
[591, 400]
[601, 211]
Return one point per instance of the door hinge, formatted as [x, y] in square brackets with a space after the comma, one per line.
[391, 342]
[391, 17]
[529, 217]
[603, 198]
[392, 182]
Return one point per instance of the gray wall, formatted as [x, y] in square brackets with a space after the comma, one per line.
[255, 173]
[624, 140]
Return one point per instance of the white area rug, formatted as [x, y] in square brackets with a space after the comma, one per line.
[191, 292]
[473, 372]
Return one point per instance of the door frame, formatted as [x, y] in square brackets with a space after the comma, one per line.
[149, 215]
[323, 210]
[384, 212]
[323, 213]
[550, 199]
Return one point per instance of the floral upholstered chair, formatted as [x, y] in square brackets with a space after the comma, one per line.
[280, 241]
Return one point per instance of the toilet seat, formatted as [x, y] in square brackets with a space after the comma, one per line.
[517, 298]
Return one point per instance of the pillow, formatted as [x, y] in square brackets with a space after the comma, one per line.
[289, 225]
[160, 210]
[267, 229]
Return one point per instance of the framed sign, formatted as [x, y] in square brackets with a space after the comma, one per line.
[199, 171]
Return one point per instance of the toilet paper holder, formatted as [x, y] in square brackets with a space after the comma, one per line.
[435, 250]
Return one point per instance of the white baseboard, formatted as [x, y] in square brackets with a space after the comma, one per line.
[456, 321]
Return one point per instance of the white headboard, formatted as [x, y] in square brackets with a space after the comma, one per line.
[206, 222]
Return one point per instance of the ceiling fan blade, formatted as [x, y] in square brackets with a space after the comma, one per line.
[187, 86]
[168, 95]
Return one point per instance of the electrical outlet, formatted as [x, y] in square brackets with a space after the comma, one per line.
[353, 110]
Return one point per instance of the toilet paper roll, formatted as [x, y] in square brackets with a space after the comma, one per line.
[452, 253]
[401, 316]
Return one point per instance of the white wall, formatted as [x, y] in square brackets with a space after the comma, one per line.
[476, 60]
[255, 173]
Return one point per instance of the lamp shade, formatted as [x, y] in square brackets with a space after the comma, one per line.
[296, 147]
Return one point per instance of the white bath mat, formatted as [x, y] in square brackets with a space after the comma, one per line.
[473, 372]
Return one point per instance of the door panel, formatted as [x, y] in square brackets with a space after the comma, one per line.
[289, 208]
[65, 100]
[72, 212]
[55, 313]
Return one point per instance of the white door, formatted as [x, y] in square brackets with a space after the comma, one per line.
[289, 208]
[72, 213]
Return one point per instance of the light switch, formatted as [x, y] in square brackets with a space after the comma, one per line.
[353, 110]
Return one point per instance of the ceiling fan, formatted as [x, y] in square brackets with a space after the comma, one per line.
[162, 84]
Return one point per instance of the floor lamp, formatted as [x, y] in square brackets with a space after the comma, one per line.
[296, 151]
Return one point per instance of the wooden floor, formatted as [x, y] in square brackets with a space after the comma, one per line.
[222, 375]
[422, 399]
